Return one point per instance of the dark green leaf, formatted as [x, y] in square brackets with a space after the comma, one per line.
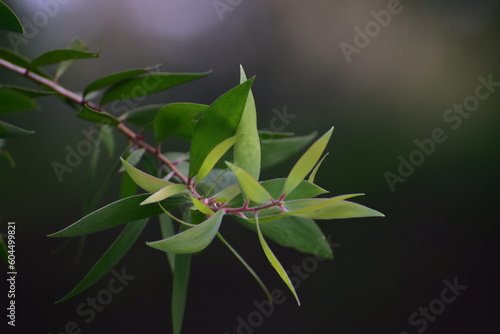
[14, 58]
[167, 230]
[117, 213]
[9, 158]
[111, 257]
[301, 234]
[12, 101]
[274, 151]
[8, 130]
[147, 84]
[180, 287]
[128, 187]
[78, 45]
[173, 117]
[56, 56]
[27, 91]
[143, 115]
[218, 123]
[113, 79]
[8, 19]
[95, 116]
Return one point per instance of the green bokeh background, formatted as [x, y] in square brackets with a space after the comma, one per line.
[441, 223]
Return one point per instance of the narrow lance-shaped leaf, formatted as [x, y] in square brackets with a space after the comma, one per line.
[252, 189]
[8, 19]
[179, 290]
[217, 123]
[167, 230]
[78, 45]
[134, 158]
[277, 150]
[147, 84]
[56, 56]
[12, 101]
[117, 213]
[247, 149]
[172, 117]
[274, 261]
[192, 240]
[8, 130]
[166, 192]
[214, 156]
[342, 210]
[144, 180]
[202, 207]
[33, 93]
[108, 140]
[112, 79]
[306, 163]
[111, 257]
[312, 177]
[95, 116]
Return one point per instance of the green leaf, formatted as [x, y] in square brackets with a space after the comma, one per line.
[56, 56]
[143, 115]
[179, 290]
[9, 158]
[78, 45]
[143, 180]
[315, 170]
[167, 230]
[14, 58]
[8, 19]
[127, 187]
[117, 213]
[214, 156]
[147, 84]
[298, 233]
[252, 189]
[341, 210]
[202, 207]
[134, 158]
[95, 116]
[33, 93]
[275, 151]
[274, 261]
[247, 149]
[112, 79]
[8, 130]
[217, 123]
[172, 117]
[166, 192]
[306, 163]
[12, 101]
[108, 139]
[192, 240]
[111, 257]
[247, 267]
[228, 193]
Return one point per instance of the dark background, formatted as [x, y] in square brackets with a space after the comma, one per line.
[440, 224]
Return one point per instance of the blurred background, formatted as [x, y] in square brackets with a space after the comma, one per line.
[382, 89]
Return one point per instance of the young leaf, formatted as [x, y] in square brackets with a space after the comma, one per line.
[217, 123]
[228, 194]
[112, 79]
[174, 116]
[135, 87]
[277, 150]
[341, 210]
[166, 192]
[134, 158]
[299, 233]
[274, 261]
[8, 130]
[315, 170]
[8, 19]
[202, 207]
[306, 163]
[247, 267]
[252, 189]
[143, 180]
[56, 56]
[192, 240]
[95, 116]
[12, 101]
[117, 213]
[110, 258]
[78, 45]
[247, 148]
[214, 156]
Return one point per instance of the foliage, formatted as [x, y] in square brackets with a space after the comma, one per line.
[205, 185]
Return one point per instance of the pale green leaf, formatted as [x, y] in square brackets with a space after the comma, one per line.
[315, 170]
[341, 210]
[252, 189]
[166, 192]
[144, 180]
[214, 156]
[306, 163]
[202, 207]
